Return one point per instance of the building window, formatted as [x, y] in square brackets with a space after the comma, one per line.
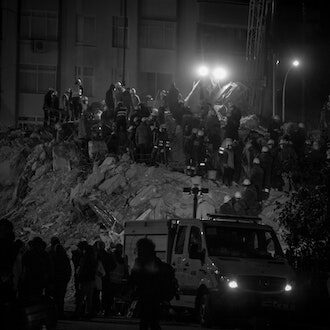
[230, 39]
[153, 82]
[40, 25]
[118, 31]
[37, 79]
[158, 34]
[87, 76]
[86, 30]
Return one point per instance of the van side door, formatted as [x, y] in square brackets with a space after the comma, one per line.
[178, 256]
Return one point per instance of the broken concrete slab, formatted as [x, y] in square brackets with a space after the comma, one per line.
[110, 185]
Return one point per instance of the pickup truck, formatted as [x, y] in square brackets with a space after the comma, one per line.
[226, 266]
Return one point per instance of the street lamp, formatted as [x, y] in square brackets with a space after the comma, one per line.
[294, 64]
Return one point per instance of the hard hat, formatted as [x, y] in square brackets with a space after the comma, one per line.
[144, 119]
[264, 149]
[130, 129]
[246, 182]
[226, 199]
[256, 161]
[195, 130]
[154, 112]
[282, 142]
[301, 125]
[229, 142]
[200, 133]
[271, 141]
[238, 195]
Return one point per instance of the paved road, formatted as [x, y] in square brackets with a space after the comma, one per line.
[101, 324]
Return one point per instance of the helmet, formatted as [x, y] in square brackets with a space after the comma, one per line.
[238, 195]
[301, 125]
[271, 142]
[264, 149]
[246, 182]
[226, 199]
[144, 119]
[200, 133]
[229, 142]
[256, 161]
[194, 130]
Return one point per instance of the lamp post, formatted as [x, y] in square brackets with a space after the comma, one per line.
[294, 64]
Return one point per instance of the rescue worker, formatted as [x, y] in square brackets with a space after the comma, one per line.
[227, 206]
[228, 163]
[240, 206]
[77, 93]
[250, 198]
[266, 161]
[143, 140]
[257, 177]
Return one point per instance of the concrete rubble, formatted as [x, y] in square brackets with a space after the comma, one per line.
[46, 190]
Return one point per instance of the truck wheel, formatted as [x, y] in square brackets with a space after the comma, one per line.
[205, 311]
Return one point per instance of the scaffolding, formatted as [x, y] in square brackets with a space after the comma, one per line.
[255, 52]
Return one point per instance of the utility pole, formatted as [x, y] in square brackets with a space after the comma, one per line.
[195, 191]
[124, 43]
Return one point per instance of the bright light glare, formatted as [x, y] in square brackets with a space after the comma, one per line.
[203, 71]
[288, 287]
[233, 284]
[295, 63]
[219, 73]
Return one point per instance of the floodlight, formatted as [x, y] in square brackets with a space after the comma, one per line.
[203, 71]
[219, 73]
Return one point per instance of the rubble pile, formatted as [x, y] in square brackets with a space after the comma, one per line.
[46, 191]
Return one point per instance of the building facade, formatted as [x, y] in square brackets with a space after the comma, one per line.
[49, 43]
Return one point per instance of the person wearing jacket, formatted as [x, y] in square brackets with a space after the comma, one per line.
[257, 177]
[228, 163]
[266, 161]
[146, 279]
[250, 198]
[143, 140]
[61, 276]
[227, 207]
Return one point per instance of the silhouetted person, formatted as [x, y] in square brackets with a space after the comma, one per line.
[61, 275]
[36, 271]
[110, 99]
[119, 274]
[86, 278]
[146, 279]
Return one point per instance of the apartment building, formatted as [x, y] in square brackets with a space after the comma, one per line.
[49, 43]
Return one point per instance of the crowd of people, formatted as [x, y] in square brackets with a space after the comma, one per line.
[166, 131]
[103, 283]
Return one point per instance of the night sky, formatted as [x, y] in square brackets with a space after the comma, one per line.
[302, 31]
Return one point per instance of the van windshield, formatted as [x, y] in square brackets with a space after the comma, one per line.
[242, 242]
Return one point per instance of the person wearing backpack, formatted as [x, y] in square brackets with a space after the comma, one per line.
[153, 282]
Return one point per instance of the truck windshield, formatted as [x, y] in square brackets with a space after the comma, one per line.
[225, 241]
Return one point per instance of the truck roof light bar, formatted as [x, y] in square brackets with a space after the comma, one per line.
[237, 218]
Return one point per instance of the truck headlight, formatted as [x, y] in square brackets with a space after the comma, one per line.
[233, 284]
[288, 287]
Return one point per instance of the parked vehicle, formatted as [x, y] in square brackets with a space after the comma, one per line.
[225, 266]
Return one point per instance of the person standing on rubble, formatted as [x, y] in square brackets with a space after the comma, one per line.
[143, 140]
[77, 93]
[257, 177]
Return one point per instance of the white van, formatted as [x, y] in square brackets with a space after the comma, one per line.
[227, 265]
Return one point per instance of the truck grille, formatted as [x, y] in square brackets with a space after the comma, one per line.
[261, 283]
